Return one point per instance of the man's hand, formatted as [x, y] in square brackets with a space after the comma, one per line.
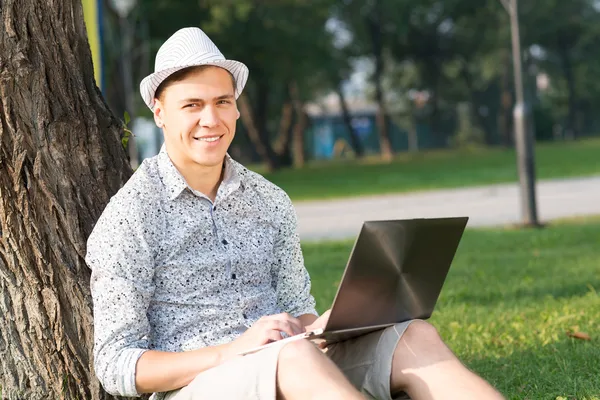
[266, 330]
[319, 322]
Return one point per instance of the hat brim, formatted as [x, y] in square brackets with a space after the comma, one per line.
[150, 83]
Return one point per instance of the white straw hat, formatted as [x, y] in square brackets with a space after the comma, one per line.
[189, 47]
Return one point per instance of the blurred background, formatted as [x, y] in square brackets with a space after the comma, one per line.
[346, 78]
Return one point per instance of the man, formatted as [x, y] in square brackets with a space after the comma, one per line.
[197, 259]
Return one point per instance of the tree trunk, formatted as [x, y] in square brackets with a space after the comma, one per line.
[354, 139]
[567, 67]
[474, 112]
[506, 101]
[61, 160]
[384, 138]
[413, 136]
[263, 149]
[433, 77]
[284, 136]
[261, 119]
[299, 126]
[374, 27]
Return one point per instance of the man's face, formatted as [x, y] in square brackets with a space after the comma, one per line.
[198, 114]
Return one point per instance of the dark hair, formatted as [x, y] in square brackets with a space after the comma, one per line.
[184, 73]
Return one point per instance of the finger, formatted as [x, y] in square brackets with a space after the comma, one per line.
[294, 323]
[282, 326]
[297, 326]
[272, 336]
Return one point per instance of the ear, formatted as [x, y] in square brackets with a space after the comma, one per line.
[238, 114]
[158, 112]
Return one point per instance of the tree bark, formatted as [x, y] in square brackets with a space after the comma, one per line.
[61, 160]
[374, 27]
[357, 146]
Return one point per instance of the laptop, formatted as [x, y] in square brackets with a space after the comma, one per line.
[395, 273]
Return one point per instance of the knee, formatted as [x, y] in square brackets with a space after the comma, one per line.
[419, 347]
[421, 332]
[422, 338]
[298, 350]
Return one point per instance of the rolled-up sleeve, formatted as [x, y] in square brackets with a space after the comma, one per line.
[291, 279]
[122, 263]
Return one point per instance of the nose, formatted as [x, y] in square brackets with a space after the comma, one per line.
[209, 117]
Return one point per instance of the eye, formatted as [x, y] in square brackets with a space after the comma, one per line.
[223, 102]
[191, 105]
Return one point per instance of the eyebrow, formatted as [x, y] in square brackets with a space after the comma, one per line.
[198, 100]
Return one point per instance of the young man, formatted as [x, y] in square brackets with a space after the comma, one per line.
[197, 259]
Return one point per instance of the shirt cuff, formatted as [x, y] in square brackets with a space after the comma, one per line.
[125, 368]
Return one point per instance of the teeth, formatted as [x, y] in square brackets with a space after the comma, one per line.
[213, 139]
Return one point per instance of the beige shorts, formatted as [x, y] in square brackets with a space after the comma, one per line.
[366, 361]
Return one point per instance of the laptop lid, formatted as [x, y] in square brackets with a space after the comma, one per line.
[395, 272]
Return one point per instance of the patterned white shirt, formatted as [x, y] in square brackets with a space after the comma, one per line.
[173, 271]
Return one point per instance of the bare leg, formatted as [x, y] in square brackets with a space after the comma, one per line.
[426, 368]
[304, 372]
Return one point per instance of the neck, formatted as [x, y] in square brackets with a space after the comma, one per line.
[203, 179]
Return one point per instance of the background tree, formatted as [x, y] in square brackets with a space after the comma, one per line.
[370, 25]
[283, 44]
[565, 34]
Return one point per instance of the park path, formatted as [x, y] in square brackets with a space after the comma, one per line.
[492, 205]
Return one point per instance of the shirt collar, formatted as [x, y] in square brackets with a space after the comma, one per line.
[175, 183]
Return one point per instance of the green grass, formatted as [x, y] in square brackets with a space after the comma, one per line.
[434, 169]
[510, 298]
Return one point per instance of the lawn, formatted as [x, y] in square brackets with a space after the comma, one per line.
[510, 298]
[435, 169]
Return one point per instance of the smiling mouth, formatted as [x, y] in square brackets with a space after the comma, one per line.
[208, 139]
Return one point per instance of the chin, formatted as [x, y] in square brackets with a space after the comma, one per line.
[210, 160]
